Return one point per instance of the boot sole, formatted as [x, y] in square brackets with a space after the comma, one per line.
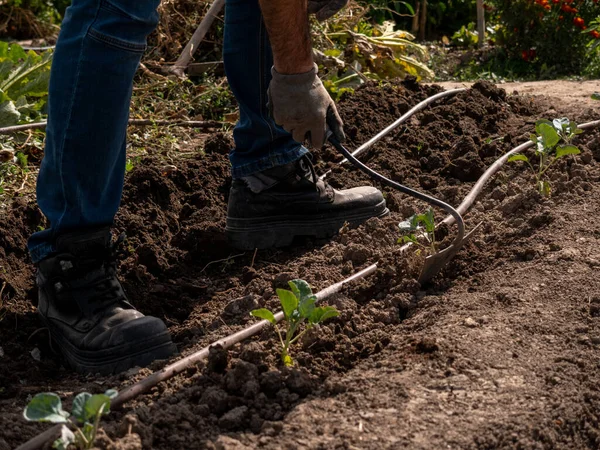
[116, 359]
[268, 232]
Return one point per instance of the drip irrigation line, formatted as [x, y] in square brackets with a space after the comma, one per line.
[177, 367]
[403, 118]
[132, 122]
[478, 187]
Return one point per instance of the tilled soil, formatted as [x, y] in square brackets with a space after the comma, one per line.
[499, 351]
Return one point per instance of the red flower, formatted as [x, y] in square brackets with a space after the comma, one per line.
[579, 22]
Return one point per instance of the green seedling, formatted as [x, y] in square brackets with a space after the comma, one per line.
[86, 411]
[298, 307]
[418, 228]
[552, 142]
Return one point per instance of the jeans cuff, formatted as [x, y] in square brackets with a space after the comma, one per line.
[40, 252]
[268, 162]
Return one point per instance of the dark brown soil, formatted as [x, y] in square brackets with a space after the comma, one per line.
[499, 351]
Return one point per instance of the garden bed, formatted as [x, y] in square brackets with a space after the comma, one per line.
[497, 352]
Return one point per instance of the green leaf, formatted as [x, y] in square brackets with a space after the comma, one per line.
[549, 135]
[410, 238]
[323, 313]
[541, 122]
[45, 407]
[300, 288]
[111, 393]
[564, 150]
[595, 96]
[518, 157]
[265, 314]
[533, 138]
[95, 404]
[429, 221]
[307, 306]
[407, 226]
[78, 408]
[289, 301]
[9, 115]
[66, 438]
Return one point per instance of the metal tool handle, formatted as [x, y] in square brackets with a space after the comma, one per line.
[406, 190]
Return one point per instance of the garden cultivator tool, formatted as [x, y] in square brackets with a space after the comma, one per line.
[433, 263]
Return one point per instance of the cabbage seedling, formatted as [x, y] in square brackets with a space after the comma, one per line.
[86, 410]
[552, 142]
[298, 307]
[420, 226]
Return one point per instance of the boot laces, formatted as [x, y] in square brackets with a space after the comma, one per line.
[91, 280]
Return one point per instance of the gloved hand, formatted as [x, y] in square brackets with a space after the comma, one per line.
[324, 9]
[300, 104]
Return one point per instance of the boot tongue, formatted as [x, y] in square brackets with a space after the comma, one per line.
[84, 243]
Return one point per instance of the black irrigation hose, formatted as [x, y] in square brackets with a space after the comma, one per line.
[405, 190]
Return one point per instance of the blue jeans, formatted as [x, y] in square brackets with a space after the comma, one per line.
[98, 51]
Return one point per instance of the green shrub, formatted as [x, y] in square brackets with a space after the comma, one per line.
[551, 36]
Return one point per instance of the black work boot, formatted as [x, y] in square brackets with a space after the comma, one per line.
[270, 208]
[87, 313]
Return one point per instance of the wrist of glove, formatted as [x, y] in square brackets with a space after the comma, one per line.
[302, 106]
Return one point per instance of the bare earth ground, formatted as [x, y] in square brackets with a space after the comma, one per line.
[576, 94]
[499, 352]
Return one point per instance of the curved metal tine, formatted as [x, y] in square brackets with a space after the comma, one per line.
[434, 263]
[404, 189]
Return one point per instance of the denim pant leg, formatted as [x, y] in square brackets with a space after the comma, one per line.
[259, 143]
[81, 176]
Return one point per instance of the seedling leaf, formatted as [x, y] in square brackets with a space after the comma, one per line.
[111, 393]
[289, 302]
[265, 314]
[407, 226]
[307, 306]
[323, 313]
[96, 404]
[429, 221]
[518, 157]
[301, 288]
[596, 96]
[549, 135]
[564, 150]
[78, 408]
[45, 407]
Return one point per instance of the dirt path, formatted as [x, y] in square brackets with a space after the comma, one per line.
[499, 352]
[576, 94]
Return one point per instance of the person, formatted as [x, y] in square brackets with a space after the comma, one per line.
[275, 194]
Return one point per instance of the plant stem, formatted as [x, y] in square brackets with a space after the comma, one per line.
[78, 431]
[96, 424]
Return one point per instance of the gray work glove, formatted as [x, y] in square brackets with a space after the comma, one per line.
[324, 9]
[300, 104]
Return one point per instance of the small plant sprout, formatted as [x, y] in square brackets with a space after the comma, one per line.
[87, 410]
[553, 141]
[420, 226]
[298, 307]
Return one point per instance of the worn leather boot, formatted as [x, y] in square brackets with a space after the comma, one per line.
[271, 208]
[82, 303]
